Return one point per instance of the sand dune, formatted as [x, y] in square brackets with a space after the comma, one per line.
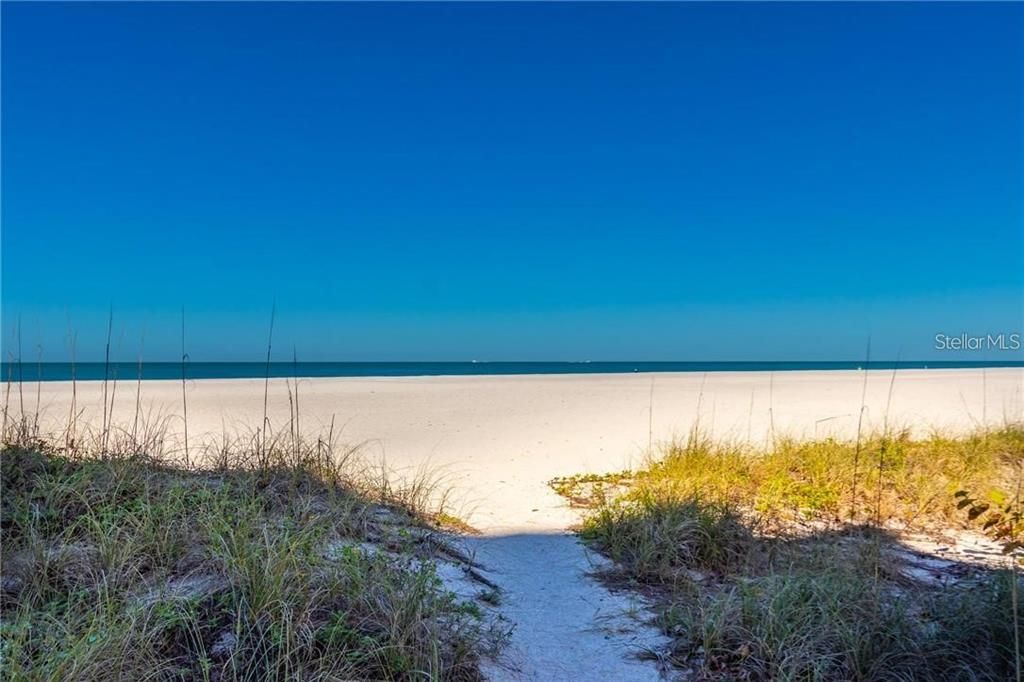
[499, 439]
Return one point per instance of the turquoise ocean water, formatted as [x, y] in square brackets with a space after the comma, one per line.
[62, 371]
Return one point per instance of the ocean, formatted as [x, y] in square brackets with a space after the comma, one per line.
[64, 371]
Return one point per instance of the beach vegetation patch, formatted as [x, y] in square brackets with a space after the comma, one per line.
[825, 559]
[276, 561]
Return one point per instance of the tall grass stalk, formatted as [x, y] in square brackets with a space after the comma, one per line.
[113, 393]
[184, 396]
[266, 379]
[884, 444]
[138, 389]
[984, 397]
[73, 410]
[860, 426]
[650, 419]
[1015, 589]
[295, 375]
[39, 387]
[696, 432]
[750, 415]
[106, 372]
[7, 395]
[21, 378]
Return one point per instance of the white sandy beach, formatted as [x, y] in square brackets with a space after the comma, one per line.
[500, 439]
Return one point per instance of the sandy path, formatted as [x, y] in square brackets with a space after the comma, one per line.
[567, 626]
[499, 439]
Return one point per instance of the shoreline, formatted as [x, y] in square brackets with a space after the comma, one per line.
[53, 372]
[739, 373]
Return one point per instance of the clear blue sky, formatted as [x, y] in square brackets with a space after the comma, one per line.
[527, 181]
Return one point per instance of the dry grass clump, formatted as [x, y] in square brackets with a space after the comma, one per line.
[117, 565]
[832, 621]
[777, 564]
[890, 480]
[658, 539]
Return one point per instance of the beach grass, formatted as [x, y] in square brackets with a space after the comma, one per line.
[278, 560]
[778, 562]
[826, 617]
[886, 480]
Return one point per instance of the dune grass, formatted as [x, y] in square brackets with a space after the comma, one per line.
[772, 564]
[118, 565]
[828, 620]
[892, 481]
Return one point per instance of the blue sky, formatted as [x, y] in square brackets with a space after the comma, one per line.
[512, 181]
